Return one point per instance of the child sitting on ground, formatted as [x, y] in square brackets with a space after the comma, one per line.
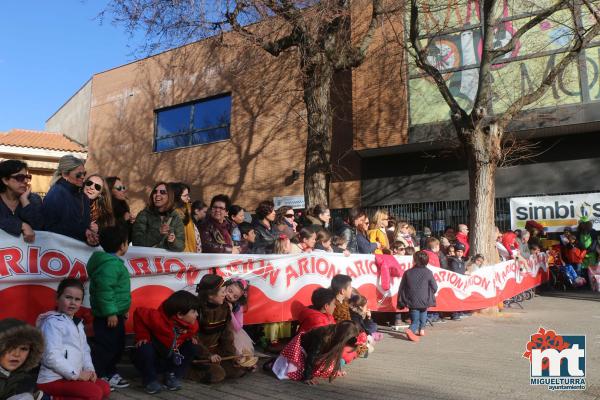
[215, 337]
[342, 287]
[110, 299]
[236, 295]
[316, 354]
[67, 369]
[21, 348]
[321, 311]
[164, 340]
[360, 313]
[417, 292]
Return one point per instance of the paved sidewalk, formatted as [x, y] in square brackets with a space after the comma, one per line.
[477, 358]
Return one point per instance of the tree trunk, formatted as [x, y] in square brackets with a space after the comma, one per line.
[483, 154]
[317, 170]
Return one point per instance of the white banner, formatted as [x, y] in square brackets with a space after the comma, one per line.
[279, 284]
[555, 212]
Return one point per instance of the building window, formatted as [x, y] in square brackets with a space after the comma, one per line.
[190, 124]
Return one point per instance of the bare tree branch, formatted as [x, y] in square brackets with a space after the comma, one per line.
[357, 54]
[579, 44]
[273, 47]
[510, 46]
[421, 60]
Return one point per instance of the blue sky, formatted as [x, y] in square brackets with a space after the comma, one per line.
[48, 50]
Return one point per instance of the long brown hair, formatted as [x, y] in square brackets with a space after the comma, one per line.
[104, 204]
[170, 196]
[333, 339]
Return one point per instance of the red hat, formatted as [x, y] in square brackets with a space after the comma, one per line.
[531, 224]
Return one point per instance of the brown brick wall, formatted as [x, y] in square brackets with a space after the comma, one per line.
[268, 134]
[268, 129]
[380, 108]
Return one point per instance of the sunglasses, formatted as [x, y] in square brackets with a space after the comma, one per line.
[289, 215]
[120, 188]
[21, 177]
[80, 175]
[95, 185]
[159, 191]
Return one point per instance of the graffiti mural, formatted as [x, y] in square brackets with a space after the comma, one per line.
[452, 35]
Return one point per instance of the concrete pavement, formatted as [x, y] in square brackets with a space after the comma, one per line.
[478, 357]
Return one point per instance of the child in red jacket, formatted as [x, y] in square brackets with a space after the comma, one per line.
[321, 311]
[573, 254]
[164, 340]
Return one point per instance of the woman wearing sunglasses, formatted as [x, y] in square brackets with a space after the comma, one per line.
[120, 206]
[20, 210]
[159, 225]
[101, 212]
[285, 223]
[66, 208]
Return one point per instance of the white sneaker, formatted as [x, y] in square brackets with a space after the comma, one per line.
[116, 381]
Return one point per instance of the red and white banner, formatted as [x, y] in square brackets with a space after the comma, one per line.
[280, 285]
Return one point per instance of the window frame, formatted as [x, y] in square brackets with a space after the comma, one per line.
[191, 131]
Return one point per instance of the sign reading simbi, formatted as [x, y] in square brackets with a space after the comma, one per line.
[555, 212]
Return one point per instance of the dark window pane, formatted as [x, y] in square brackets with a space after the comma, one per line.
[212, 135]
[172, 142]
[210, 124]
[173, 121]
[164, 144]
[212, 113]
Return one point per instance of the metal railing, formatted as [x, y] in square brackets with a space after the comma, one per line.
[437, 215]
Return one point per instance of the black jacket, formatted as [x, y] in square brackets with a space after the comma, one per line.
[456, 264]
[417, 289]
[66, 210]
[363, 244]
[32, 215]
[265, 239]
[365, 324]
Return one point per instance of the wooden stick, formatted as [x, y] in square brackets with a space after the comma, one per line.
[222, 359]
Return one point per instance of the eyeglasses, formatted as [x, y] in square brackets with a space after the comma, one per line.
[21, 177]
[401, 249]
[95, 185]
[80, 175]
[120, 188]
[159, 191]
[218, 208]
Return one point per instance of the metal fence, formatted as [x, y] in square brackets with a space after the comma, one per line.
[438, 215]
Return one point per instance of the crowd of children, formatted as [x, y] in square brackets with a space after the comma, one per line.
[199, 336]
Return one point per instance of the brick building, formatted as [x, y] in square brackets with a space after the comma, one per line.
[231, 119]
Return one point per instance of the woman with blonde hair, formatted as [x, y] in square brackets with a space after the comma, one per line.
[377, 231]
[101, 210]
[66, 208]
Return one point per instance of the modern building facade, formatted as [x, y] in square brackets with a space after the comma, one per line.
[229, 118]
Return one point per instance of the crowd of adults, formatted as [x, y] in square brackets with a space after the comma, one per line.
[79, 204]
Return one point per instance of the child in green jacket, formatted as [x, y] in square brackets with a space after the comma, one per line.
[110, 299]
